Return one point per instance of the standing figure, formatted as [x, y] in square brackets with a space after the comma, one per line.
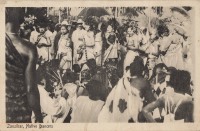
[170, 48]
[132, 47]
[110, 56]
[64, 53]
[22, 95]
[43, 42]
[111, 39]
[53, 50]
[77, 39]
[34, 35]
[86, 50]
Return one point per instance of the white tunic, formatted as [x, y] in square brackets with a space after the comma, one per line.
[44, 52]
[88, 52]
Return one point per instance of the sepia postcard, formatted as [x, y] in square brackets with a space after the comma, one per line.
[100, 65]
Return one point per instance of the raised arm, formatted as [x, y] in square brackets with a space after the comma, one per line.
[30, 79]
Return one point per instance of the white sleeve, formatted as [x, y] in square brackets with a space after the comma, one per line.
[49, 105]
[32, 39]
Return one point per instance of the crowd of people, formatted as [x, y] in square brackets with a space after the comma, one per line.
[90, 70]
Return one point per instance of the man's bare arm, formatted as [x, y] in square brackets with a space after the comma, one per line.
[32, 90]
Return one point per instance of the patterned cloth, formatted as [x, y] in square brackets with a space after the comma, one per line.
[111, 70]
[122, 104]
[64, 52]
[17, 108]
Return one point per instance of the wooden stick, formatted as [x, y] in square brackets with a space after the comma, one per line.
[60, 78]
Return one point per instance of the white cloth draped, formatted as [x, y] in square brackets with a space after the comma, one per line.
[119, 106]
[86, 110]
[56, 109]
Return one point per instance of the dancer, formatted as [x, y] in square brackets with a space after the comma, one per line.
[127, 98]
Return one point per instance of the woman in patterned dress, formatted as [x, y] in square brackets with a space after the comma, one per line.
[64, 53]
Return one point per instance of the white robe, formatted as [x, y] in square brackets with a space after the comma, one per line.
[86, 110]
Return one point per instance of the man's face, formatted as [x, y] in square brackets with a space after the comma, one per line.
[41, 30]
[79, 27]
[110, 29]
[87, 27]
[151, 63]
